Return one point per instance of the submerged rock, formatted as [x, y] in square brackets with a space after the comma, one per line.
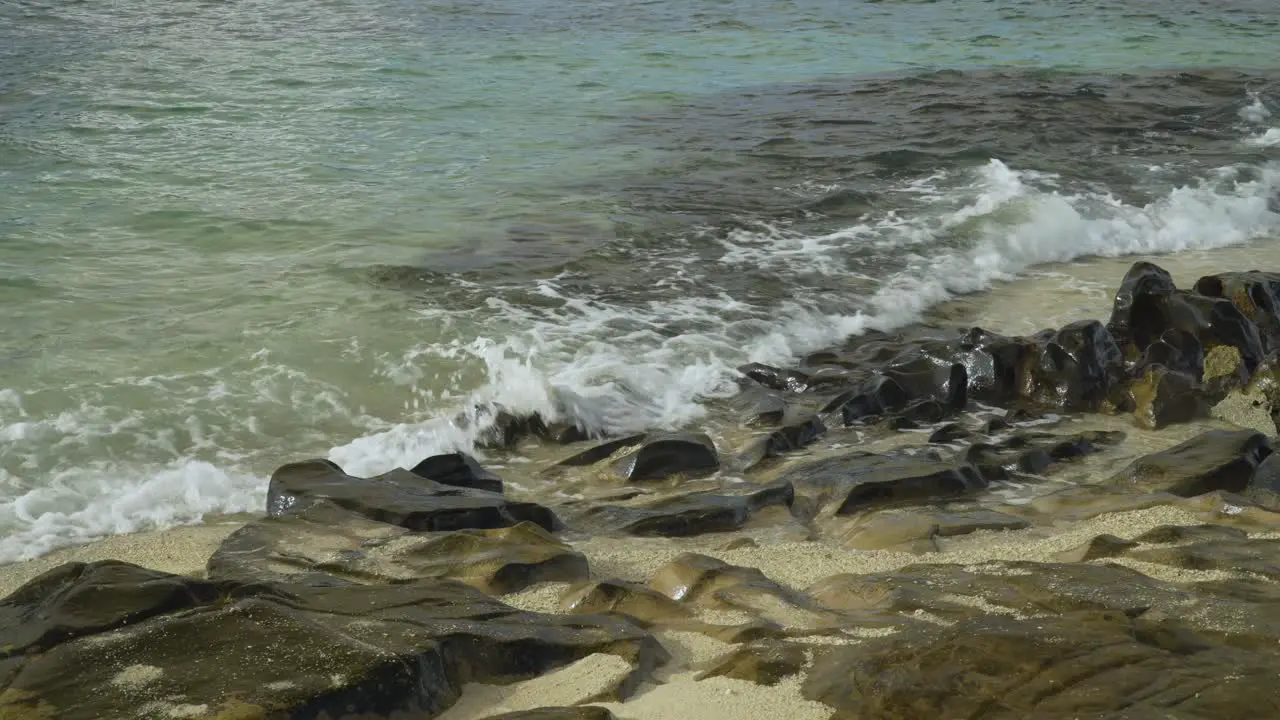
[150, 644]
[683, 514]
[458, 469]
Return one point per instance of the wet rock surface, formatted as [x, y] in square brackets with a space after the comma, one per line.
[910, 525]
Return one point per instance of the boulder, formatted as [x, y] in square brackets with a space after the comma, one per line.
[1255, 294]
[150, 644]
[602, 451]
[624, 598]
[1073, 368]
[660, 457]
[1214, 460]
[1163, 397]
[458, 469]
[856, 481]
[765, 662]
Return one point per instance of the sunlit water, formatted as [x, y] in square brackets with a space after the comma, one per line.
[234, 234]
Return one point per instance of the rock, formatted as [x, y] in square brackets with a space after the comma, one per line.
[1259, 556]
[1255, 294]
[150, 644]
[661, 457]
[1165, 534]
[791, 436]
[1101, 546]
[1163, 397]
[625, 598]
[949, 433]
[1086, 664]
[1180, 351]
[600, 452]
[763, 663]
[399, 498]
[1074, 368]
[301, 550]
[1143, 285]
[579, 712]
[877, 397]
[458, 469]
[857, 481]
[1214, 460]
[1257, 404]
[760, 405]
[1264, 486]
[684, 514]
[776, 378]
[915, 529]
[1035, 453]
[707, 582]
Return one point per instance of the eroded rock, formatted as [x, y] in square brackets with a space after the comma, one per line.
[660, 457]
[1214, 460]
[147, 642]
[683, 514]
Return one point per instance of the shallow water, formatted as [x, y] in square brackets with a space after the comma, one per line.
[233, 235]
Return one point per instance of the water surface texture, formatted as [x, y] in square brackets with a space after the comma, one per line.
[234, 234]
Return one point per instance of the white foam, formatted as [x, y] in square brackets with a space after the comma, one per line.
[1270, 138]
[1256, 112]
[609, 366]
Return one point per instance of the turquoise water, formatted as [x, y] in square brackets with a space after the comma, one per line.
[235, 234]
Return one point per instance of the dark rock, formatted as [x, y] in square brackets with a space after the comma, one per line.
[877, 397]
[1176, 350]
[563, 433]
[1074, 368]
[1035, 453]
[149, 644]
[915, 529]
[924, 377]
[1215, 460]
[1255, 294]
[707, 582]
[660, 457]
[949, 433]
[325, 546]
[1088, 664]
[578, 712]
[760, 405]
[399, 498]
[602, 451]
[1257, 404]
[856, 481]
[1264, 486]
[458, 469]
[992, 364]
[792, 436]
[685, 514]
[763, 663]
[776, 378]
[1140, 289]
[1163, 397]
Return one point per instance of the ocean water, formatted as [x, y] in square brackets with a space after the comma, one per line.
[236, 234]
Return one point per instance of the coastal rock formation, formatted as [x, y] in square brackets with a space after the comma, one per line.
[153, 644]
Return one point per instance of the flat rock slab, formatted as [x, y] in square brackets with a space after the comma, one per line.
[113, 640]
[684, 514]
[399, 498]
[1215, 460]
[1094, 664]
[324, 545]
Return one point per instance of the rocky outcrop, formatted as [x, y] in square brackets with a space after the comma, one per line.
[150, 644]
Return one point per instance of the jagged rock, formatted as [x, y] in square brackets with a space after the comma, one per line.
[660, 457]
[1180, 351]
[1101, 546]
[399, 498]
[1257, 404]
[619, 596]
[684, 514]
[1214, 460]
[763, 663]
[858, 480]
[1073, 368]
[603, 451]
[150, 644]
[1140, 284]
[1163, 397]
[1087, 664]
[1034, 453]
[330, 549]
[577, 712]
[1255, 294]
[877, 397]
[458, 469]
